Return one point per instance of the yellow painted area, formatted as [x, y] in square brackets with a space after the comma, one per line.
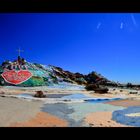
[133, 115]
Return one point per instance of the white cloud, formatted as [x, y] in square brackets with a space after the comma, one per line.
[121, 26]
[133, 20]
[98, 25]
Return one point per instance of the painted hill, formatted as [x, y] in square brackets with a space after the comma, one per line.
[46, 75]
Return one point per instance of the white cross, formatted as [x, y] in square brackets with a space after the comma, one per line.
[19, 51]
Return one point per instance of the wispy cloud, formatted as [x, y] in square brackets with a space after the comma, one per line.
[121, 26]
[133, 20]
[98, 25]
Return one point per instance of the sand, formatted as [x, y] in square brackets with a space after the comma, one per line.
[42, 120]
[125, 103]
[22, 113]
[13, 110]
[133, 115]
[102, 119]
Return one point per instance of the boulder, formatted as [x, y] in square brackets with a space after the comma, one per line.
[39, 94]
[91, 86]
[96, 88]
[101, 90]
[133, 92]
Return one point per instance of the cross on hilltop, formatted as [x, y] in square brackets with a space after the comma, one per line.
[19, 51]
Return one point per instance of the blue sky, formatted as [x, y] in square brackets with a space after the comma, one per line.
[108, 43]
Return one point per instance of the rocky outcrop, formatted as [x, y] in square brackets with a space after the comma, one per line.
[78, 78]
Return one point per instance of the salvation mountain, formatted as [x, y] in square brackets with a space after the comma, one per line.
[23, 73]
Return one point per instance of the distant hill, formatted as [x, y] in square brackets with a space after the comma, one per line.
[49, 75]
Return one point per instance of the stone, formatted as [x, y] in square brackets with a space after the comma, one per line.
[133, 92]
[96, 88]
[39, 94]
[101, 90]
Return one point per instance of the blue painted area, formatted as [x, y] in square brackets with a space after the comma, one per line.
[120, 116]
[89, 99]
[76, 96]
[75, 113]
[98, 100]
[39, 73]
[84, 108]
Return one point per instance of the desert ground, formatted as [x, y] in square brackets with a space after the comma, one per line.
[64, 107]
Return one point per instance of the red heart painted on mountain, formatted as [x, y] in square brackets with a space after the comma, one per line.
[16, 77]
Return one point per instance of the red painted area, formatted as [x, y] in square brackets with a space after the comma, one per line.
[16, 77]
[99, 79]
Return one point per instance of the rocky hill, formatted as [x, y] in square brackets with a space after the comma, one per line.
[47, 75]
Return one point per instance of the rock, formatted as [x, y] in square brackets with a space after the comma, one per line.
[39, 94]
[96, 88]
[133, 92]
[101, 90]
[90, 124]
[91, 87]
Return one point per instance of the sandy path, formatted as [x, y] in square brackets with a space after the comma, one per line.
[15, 110]
[42, 120]
[102, 119]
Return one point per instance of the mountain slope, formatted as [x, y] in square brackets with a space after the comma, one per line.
[49, 75]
